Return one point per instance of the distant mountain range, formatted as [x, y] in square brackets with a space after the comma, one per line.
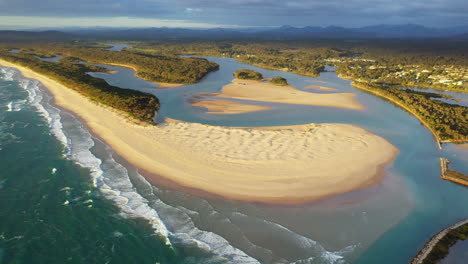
[283, 32]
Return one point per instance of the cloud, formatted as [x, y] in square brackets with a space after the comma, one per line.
[191, 10]
[254, 12]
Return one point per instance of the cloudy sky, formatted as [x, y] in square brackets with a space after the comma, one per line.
[230, 13]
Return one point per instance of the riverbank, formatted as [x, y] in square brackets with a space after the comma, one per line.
[362, 87]
[227, 107]
[286, 165]
[267, 92]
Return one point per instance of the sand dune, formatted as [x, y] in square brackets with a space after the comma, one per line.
[264, 91]
[227, 107]
[284, 165]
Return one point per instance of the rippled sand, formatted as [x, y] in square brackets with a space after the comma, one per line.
[285, 165]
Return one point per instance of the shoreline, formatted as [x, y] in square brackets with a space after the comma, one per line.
[267, 92]
[253, 176]
[434, 135]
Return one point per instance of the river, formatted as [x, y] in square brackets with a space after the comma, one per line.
[387, 223]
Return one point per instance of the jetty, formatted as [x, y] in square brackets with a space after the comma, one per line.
[451, 175]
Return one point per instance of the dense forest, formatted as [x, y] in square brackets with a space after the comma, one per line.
[246, 74]
[278, 80]
[425, 63]
[136, 104]
[449, 122]
[156, 68]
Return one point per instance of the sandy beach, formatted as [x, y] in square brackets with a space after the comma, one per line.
[280, 165]
[323, 88]
[227, 107]
[267, 92]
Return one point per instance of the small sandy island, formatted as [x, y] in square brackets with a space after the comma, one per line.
[267, 92]
[227, 107]
[280, 165]
[320, 88]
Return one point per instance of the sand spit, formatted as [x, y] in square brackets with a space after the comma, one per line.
[323, 88]
[280, 165]
[267, 92]
[227, 107]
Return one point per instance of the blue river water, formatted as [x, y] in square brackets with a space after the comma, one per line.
[387, 223]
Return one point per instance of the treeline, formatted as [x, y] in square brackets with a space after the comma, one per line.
[156, 68]
[246, 74]
[136, 104]
[271, 55]
[450, 122]
[308, 57]
[278, 80]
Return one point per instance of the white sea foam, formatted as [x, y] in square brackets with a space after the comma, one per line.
[113, 181]
[15, 106]
[36, 99]
[79, 143]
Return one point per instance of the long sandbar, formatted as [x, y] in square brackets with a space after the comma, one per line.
[267, 92]
[320, 88]
[281, 165]
[228, 107]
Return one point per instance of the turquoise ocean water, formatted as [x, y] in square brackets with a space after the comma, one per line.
[67, 198]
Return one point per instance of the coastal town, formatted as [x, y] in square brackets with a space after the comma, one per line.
[438, 76]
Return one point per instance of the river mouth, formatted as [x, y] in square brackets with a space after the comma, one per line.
[419, 155]
[354, 227]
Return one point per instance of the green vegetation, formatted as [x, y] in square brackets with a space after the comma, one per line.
[246, 74]
[278, 80]
[448, 121]
[70, 59]
[441, 249]
[383, 67]
[136, 104]
[42, 54]
[435, 64]
[156, 68]
[271, 55]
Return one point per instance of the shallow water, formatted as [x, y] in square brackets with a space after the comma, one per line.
[387, 223]
[458, 253]
[457, 98]
[118, 47]
[56, 58]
